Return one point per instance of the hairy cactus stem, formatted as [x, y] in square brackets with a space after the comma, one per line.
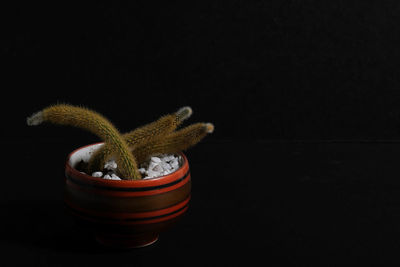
[91, 121]
[174, 142]
[141, 136]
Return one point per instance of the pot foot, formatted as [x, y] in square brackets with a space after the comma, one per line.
[126, 241]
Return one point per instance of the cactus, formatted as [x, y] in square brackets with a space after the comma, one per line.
[136, 146]
[140, 136]
[174, 142]
[95, 123]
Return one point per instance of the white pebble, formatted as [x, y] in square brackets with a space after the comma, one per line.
[175, 164]
[115, 177]
[166, 166]
[157, 168]
[155, 159]
[110, 165]
[97, 174]
[108, 177]
[152, 174]
[169, 158]
[151, 165]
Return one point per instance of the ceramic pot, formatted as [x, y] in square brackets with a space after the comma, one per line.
[125, 214]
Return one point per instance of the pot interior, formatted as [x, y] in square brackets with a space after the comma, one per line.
[86, 152]
[83, 153]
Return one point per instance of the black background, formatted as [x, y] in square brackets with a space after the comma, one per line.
[304, 95]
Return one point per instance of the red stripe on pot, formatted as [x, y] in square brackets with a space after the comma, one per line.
[126, 191]
[131, 218]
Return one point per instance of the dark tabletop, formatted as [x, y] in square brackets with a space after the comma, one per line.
[271, 201]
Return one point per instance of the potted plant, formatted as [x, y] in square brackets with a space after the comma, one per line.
[127, 209]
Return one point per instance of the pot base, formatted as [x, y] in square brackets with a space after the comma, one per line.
[127, 242]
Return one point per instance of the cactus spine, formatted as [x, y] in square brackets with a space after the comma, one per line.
[151, 132]
[91, 121]
[174, 142]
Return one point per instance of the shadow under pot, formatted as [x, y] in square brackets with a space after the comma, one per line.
[125, 214]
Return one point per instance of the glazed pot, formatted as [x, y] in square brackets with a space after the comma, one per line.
[125, 214]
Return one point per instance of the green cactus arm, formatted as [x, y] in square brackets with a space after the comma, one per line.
[174, 142]
[141, 136]
[97, 124]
